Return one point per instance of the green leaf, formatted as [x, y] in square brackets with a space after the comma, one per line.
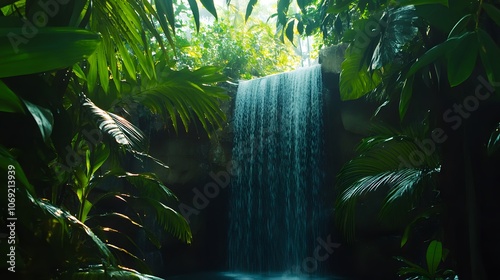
[93, 67]
[406, 93]
[399, 31]
[422, 2]
[460, 26]
[171, 221]
[462, 58]
[43, 118]
[250, 6]
[44, 49]
[9, 102]
[196, 13]
[149, 185]
[209, 5]
[433, 54]
[168, 9]
[384, 161]
[99, 155]
[87, 206]
[75, 234]
[493, 12]
[490, 56]
[7, 160]
[289, 30]
[494, 141]
[102, 69]
[355, 78]
[433, 256]
[300, 27]
[282, 11]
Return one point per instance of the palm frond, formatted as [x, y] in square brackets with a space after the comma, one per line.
[170, 220]
[188, 95]
[118, 128]
[120, 221]
[125, 27]
[145, 184]
[130, 258]
[385, 162]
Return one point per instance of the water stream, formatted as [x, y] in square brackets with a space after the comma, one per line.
[275, 204]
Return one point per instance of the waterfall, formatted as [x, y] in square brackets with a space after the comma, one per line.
[275, 208]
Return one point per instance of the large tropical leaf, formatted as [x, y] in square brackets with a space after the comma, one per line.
[356, 79]
[45, 49]
[399, 29]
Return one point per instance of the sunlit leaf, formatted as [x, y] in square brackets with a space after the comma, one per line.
[121, 130]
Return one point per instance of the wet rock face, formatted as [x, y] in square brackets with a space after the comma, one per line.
[331, 58]
[186, 159]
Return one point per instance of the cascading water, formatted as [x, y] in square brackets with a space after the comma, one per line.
[275, 208]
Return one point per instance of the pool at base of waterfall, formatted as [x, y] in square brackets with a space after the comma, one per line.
[249, 276]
